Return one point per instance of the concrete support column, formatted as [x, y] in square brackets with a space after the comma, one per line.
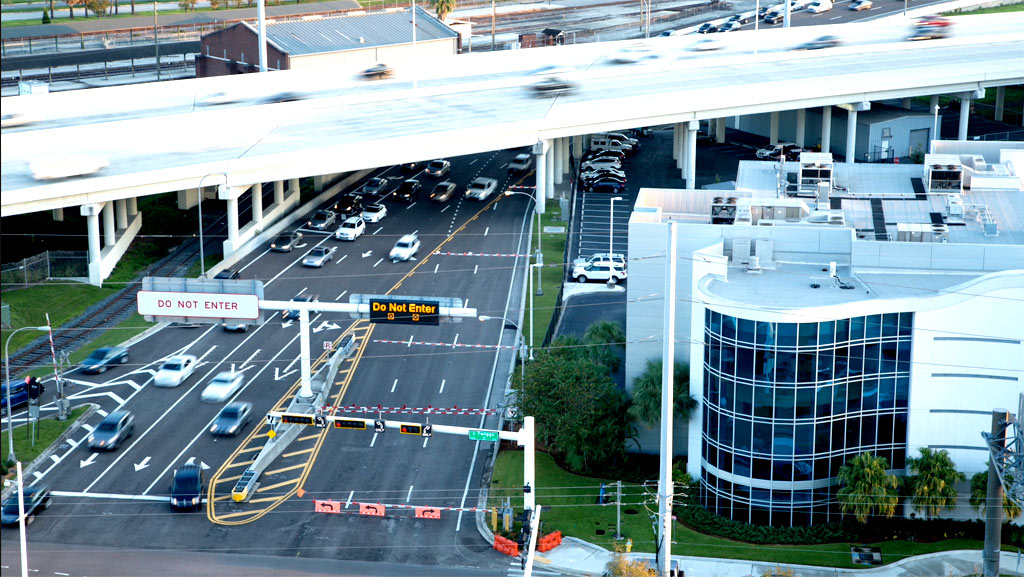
[720, 130]
[541, 174]
[773, 137]
[683, 151]
[801, 126]
[257, 203]
[933, 103]
[133, 206]
[549, 175]
[232, 222]
[712, 128]
[108, 224]
[577, 147]
[121, 208]
[565, 155]
[92, 222]
[278, 192]
[58, 214]
[1000, 102]
[691, 154]
[293, 187]
[556, 153]
[851, 136]
[965, 113]
[826, 128]
[677, 144]
[906, 103]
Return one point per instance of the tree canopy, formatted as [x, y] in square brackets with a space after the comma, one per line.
[646, 403]
[979, 497]
[868, 490]
[443, 8]
[931, 483]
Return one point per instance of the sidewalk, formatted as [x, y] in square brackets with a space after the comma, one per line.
[576, 557]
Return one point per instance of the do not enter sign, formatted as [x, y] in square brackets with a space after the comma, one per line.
[198, 305]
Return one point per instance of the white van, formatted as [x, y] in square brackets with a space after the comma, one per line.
[819, 6]
[605, 143]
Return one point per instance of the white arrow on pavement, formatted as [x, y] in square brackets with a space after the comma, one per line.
[367, 253]
[86, 462]
[192, 461]
[326, 326]
[278, 377]
[142, 465]
[246, 363]
[286, 324]
[303, 245]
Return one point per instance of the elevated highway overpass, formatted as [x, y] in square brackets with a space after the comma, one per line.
[161, 137]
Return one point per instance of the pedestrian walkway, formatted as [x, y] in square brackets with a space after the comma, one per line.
[577, 557]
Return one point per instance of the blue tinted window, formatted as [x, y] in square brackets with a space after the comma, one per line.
[765, 334]
[856, 328]
[867, 431]
[842, 330]
[716, 322]
[839, 399]
[725, 430]
[906, 324]
[762, 438]
[785, 367]
[741, 465]
[825, 365]
[888, 357]
[886, 393]
[741, 438]
[728, 327]
[825, 333]
[870, 394]
[871, 354]
[786, 336]
[744, 399]
[744, 362]
[853, 396]
[745, 331]
[806, 368]
[804, 438]
[764, 366]
[808, 334]
[805, 402]
[764, 402]
[728, 359]
[873, 328]
[824, 401]
[785, 403]
[822, 432]
[890, 324]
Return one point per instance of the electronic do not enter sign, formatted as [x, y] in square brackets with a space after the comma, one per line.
[406, 312]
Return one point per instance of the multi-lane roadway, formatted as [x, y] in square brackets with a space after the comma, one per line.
[120, 498]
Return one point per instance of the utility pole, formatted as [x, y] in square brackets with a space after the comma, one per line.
[156, 42]
[665, 485]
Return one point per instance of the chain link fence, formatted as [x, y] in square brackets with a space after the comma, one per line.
[44, 266]
[5, 316]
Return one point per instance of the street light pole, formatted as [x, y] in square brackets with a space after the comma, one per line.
[935, 131]
[7, 370]
[521, 339]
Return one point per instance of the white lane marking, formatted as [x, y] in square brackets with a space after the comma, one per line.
[296, 261]
[425, 439]
[475, 268]
[378, 262]
[373, 440]
[83, 463]
[486, 230]
[442, 387]
[88, 428]
[435, 267]
[337, 298]
[103, 413]
[301, 291]
[393, 385]
[472, 162]
[246, 363]
[465, 303]
[409, 496]
[115, 496]
[202, 430]
[253, 261]
[835, 18]
[62, 574]
[348, 501]
[143, 464]
[410, 341]
[410, 206]
[343, 257]
[455, 342]
[55, 459]
[378, 230]
[446, 207]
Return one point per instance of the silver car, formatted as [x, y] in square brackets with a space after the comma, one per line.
[222, 387]
[481, 188]
[112, 431]
[319, 256]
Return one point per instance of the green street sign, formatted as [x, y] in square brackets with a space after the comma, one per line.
[483, 435]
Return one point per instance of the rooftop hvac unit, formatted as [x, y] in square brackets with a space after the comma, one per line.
[754, 265]
[741, 250]
[955, 206]
[837, 219]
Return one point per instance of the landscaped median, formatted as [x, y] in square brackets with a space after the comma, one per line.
[552, 273]
[571, 505]
[47, 431]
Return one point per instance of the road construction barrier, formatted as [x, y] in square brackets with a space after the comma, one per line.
[549, 541]
[506, 546]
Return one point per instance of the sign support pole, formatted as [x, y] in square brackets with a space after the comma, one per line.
[526, 439]
[305, 391]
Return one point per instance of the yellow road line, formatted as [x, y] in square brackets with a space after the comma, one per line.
[276, 485]
[235, 514]
[225, 479]
[293, 453]
[283, 469]
[241, 464]
[307, 437]
[252, 449]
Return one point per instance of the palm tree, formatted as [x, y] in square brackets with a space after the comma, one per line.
[979, 496]
[931, 486]
[646, 406]
[443, 8]
[868, 490]
[607, 340]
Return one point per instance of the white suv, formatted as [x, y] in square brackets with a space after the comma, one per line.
[616, 259]
[601, 272]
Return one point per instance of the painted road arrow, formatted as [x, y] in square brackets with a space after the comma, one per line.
[192, 461]
[367, 254]
[326, 326]
[142, 465]
[278, 377]
[86, 462]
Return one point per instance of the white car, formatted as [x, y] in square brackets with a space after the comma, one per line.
[617, 259]
[819, 6]
[601, 271]
[351, 229]
[601, 162]
[222, 387]
[175, 370]
[374, 213]
[66, 166]
[521, 163]
[405, 248]
[481, 188]
[599, 172]
[634, 53]
[319, 256]
[707, 44]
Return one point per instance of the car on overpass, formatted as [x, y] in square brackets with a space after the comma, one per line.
[67, 166]
[113, 430]
[231, 419]
[319, 256]
[821, 42]
[377, 71]
[187, 488]
[175, 371]
[36, 499]
[553, 86]
[730, 26]
[103, 358]
[858, 5]
[406, 248]
[819, 6]
[286, 242]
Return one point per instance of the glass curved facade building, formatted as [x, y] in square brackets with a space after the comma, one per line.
[786, 404]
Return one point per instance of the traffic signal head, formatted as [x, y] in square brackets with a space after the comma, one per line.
[35, 388]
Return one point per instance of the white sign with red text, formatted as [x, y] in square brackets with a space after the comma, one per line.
[198, 305]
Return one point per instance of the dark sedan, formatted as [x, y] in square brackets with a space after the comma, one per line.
[232, 419]
[610, 186]
[286, 242]
[408, 191]
[101, 359]
[376, 187]
[349, 205]
[228, 274]
[36, 498]
[820, 43]
[187, 489]
[377, 71]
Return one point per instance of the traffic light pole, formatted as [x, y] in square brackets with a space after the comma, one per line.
[7, 371]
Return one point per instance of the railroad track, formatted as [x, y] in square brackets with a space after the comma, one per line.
[76, 75]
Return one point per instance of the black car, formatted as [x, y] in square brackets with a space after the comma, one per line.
[294, 314]
[187, 489]
[376, 187]
[409, 190]
[442, 191]
[228, 274]
[821, 43]
[349, 205]
[379, 70]
[232, 419]
[412, 167]
[36, 498]
[286, 242]
[605, 186]
[553, 86]
[707, 28]
[102, 359]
